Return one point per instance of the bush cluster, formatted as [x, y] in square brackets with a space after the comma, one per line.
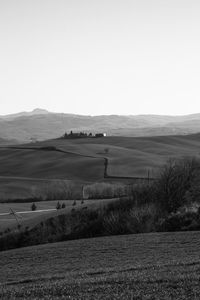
[102, 190]
[178, 179]
[57, 190]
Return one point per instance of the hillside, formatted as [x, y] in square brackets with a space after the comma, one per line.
[83, 159]
[8, 142]
[49, 165]
[148, 266]
[41, 125]
[131, 156]
[25, 168]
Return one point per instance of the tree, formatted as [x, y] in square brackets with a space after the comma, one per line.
[58, 206]
[33, 207]
[176, 183]
[106, 150]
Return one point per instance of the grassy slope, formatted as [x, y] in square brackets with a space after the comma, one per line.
[129, 156]
[49, 164]
[144, 266]
[23, 170]
[26, 188]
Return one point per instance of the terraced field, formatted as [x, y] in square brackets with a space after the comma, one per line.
[144, 266]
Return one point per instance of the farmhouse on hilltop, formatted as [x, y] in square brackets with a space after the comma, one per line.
[75, 135]
[100, 134]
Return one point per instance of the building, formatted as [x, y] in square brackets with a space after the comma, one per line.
[100, 134]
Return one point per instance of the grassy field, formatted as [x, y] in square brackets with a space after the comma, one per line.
[23, 170]
[132, 156]
[29, 188]
[144, 266]
[49, 165]
[4, 207]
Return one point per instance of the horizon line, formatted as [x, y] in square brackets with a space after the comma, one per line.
[96, 115]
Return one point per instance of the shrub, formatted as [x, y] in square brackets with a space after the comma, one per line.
[7, 230]
[106, 150]
[102, 190]
[63, 205]
[142, 218]
[33, 207]
[179, 221]
[86, 223]
[142, 193]
[135, 219]
[174, 182]
[193, 194]
[114, 222]
[122, 204]
[59, 189]
[58, 206]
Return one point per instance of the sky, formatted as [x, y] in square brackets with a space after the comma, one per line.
[100, 57]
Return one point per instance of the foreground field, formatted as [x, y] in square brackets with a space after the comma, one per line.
[145, 266]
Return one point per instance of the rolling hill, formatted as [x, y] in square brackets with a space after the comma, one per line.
[82, 161]
[131, 156]
[41, 125]
[7, 142]
[49, 165]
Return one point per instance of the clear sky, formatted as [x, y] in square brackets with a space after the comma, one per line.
[100, 56]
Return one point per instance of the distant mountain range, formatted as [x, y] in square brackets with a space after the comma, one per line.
[41, 124]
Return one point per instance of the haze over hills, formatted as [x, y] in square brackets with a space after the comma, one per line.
[8, 142]
[37, 111]
[41, 124]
